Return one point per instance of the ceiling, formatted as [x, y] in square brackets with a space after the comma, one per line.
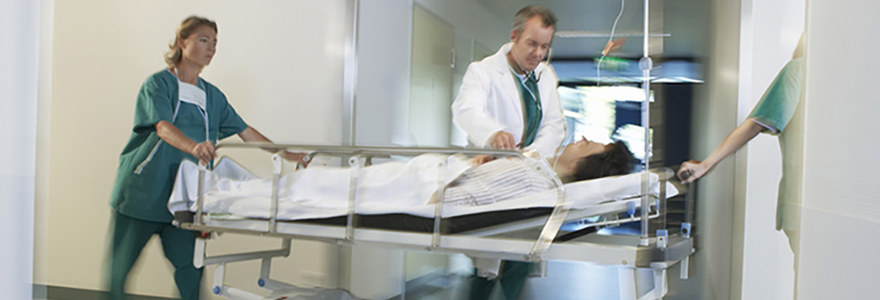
[685, 20]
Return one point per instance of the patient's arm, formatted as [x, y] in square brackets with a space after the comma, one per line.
[251, 135]
[735, 140]
[481, 159]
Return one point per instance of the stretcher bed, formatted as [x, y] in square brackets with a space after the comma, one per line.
[526, 228]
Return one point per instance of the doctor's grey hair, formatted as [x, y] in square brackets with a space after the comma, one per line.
[526, 13]
[175, 54]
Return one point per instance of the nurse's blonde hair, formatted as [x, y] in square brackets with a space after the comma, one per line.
[175, 54]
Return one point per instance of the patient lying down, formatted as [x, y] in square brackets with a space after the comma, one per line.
[477, 181]
[497, 180]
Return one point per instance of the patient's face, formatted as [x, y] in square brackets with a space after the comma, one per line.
[583, 148]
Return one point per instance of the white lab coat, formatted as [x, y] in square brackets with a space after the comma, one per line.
[489, 101]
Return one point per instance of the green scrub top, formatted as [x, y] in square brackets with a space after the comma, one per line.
[780, 111]
[143, 181]
[779, 102]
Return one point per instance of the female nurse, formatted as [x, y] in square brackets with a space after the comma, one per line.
[178, 115]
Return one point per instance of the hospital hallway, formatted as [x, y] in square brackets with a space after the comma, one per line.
[352, 149]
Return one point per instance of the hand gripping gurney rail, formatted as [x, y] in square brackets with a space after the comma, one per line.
[479, 234]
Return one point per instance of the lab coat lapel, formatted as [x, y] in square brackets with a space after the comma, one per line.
[510, 92]
[508, 89]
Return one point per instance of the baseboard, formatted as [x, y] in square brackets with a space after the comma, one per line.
[49, 292]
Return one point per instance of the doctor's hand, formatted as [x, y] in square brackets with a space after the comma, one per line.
[204, 152]
[503, 141]
[696, 169]
[300, 158]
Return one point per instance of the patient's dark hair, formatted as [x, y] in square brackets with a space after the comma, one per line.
[616, 161]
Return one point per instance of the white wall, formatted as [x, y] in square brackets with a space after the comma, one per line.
[280, 65]
[714, 116]
[472, 20]
[769, 34]
[384, 36]
[840, 224]
[384, 65]
[384, 43]
[475, 26]
[384, 60]
[41, 205]
[19, 56]
[741, 255]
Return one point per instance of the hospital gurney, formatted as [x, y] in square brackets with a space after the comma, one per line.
[444, 232]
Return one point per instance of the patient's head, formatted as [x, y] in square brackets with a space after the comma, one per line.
[613, 159]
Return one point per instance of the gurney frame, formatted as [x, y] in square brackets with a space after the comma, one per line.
[658, 252]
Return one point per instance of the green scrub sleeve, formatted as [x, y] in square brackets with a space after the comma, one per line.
[779, 102]
[230, 122]
[154, 104]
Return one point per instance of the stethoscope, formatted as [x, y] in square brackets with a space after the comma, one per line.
[530, 77]
[537, 102]
[531, 74]
[533, 77]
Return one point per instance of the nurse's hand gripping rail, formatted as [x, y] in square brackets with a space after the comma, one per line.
[660, 252]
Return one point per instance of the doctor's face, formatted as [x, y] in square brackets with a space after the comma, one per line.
[199, 47]
[532, 44]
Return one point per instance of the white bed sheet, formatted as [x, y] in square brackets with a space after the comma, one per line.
[252, 197]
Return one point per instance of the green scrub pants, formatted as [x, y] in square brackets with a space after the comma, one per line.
[512, 276]
[130, 235]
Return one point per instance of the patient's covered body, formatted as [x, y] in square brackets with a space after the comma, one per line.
[496, 181]
[398, 184]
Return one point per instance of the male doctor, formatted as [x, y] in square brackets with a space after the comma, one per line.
[509, 99]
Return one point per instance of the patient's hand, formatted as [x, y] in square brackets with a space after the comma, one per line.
[696, 169]
[532, 153]
[296, 157]
[481, 159]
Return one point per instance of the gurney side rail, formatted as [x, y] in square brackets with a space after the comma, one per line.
[434, 241]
